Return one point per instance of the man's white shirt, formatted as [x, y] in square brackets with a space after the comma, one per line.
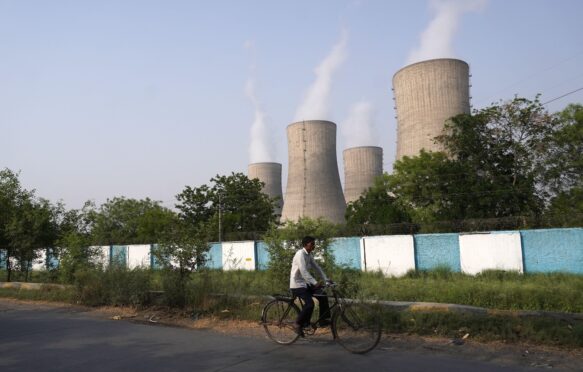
[300, 275]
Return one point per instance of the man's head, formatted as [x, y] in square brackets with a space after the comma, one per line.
[308, 243]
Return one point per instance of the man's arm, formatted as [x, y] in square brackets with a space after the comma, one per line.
[318, 269]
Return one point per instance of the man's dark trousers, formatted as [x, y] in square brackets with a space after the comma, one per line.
[306, 295]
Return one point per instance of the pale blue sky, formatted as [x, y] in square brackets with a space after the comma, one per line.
[140, 98]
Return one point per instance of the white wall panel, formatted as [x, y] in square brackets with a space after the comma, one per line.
[102, 255]
[139, 256]
[392, 255]
[496, 251]
[39, 264]
[238, 255]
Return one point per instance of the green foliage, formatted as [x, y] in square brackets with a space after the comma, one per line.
[129, 221]
[565, 170]
[491, 289]
[508, 329]
[377, 206]
[46, 293]
[566, 209]
[231, 208]
[182, 248]
[283, 242]
[113, 286]
[76, 257]
[565, 160]
[502, 151]
[27, 223]
[181, 252]
[430, 187]
[503, 166]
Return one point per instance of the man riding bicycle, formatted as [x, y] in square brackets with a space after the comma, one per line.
[304, 286]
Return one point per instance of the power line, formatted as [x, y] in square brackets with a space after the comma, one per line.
[535, 73]
[564, 95]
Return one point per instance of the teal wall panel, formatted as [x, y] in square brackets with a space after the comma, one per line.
[2, 259]
[214, 256]
[118, 255]
[261, 255]
[434, 250]
[553, 250]
[346, 252]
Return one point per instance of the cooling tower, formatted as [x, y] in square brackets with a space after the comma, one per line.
[270, 175]
[313, 183]
[361, 166]
[426, 95]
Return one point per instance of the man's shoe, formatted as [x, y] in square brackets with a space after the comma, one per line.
[324, 323]
[299, 329]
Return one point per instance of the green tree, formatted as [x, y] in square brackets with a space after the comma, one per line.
[430, 188]
[74, 246]
[494, 173]
[376, 211]
[10, 192]
[565, 169]
[33, 228]
[129, 221]
[27, 224]
[181, 252]
[232, 207]
[503, 152]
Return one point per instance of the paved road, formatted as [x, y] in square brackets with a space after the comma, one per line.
[63, 338]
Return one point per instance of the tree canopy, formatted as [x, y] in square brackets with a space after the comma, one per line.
[232, 206]
[130, 221]
[376, 210]
[27, 223]
[512, 164]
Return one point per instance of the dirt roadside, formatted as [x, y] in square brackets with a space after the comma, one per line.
[519, 355]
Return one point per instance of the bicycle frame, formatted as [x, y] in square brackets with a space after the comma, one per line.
[354, 325]
[336, 305]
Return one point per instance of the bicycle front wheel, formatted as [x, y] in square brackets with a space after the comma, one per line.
[357, 327]
[278, 321]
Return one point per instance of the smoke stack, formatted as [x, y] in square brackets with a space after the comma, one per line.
[361, 166]
[313, 182]
[270, 175]
[426, 95]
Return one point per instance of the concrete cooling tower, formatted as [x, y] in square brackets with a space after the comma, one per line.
[270, 175]
[426, 95]
[313, 182]
[361, 166]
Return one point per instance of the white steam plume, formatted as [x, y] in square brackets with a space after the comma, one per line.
[436, 39]
[261, 147]
[315, 103]
[358, 129]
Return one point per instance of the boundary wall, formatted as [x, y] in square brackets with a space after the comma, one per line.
[524, 251]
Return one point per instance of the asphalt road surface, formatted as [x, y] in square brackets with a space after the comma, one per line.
[48, 338]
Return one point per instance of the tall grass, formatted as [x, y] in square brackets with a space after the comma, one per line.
[491, 289]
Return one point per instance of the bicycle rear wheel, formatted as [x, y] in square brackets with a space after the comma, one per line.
[278, 321]
[357, 327]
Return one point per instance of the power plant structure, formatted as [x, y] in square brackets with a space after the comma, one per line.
[426, 94]
[313, 182]
[270, 174]
[361, 166]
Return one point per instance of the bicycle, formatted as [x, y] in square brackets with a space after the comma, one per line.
[356, 326]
